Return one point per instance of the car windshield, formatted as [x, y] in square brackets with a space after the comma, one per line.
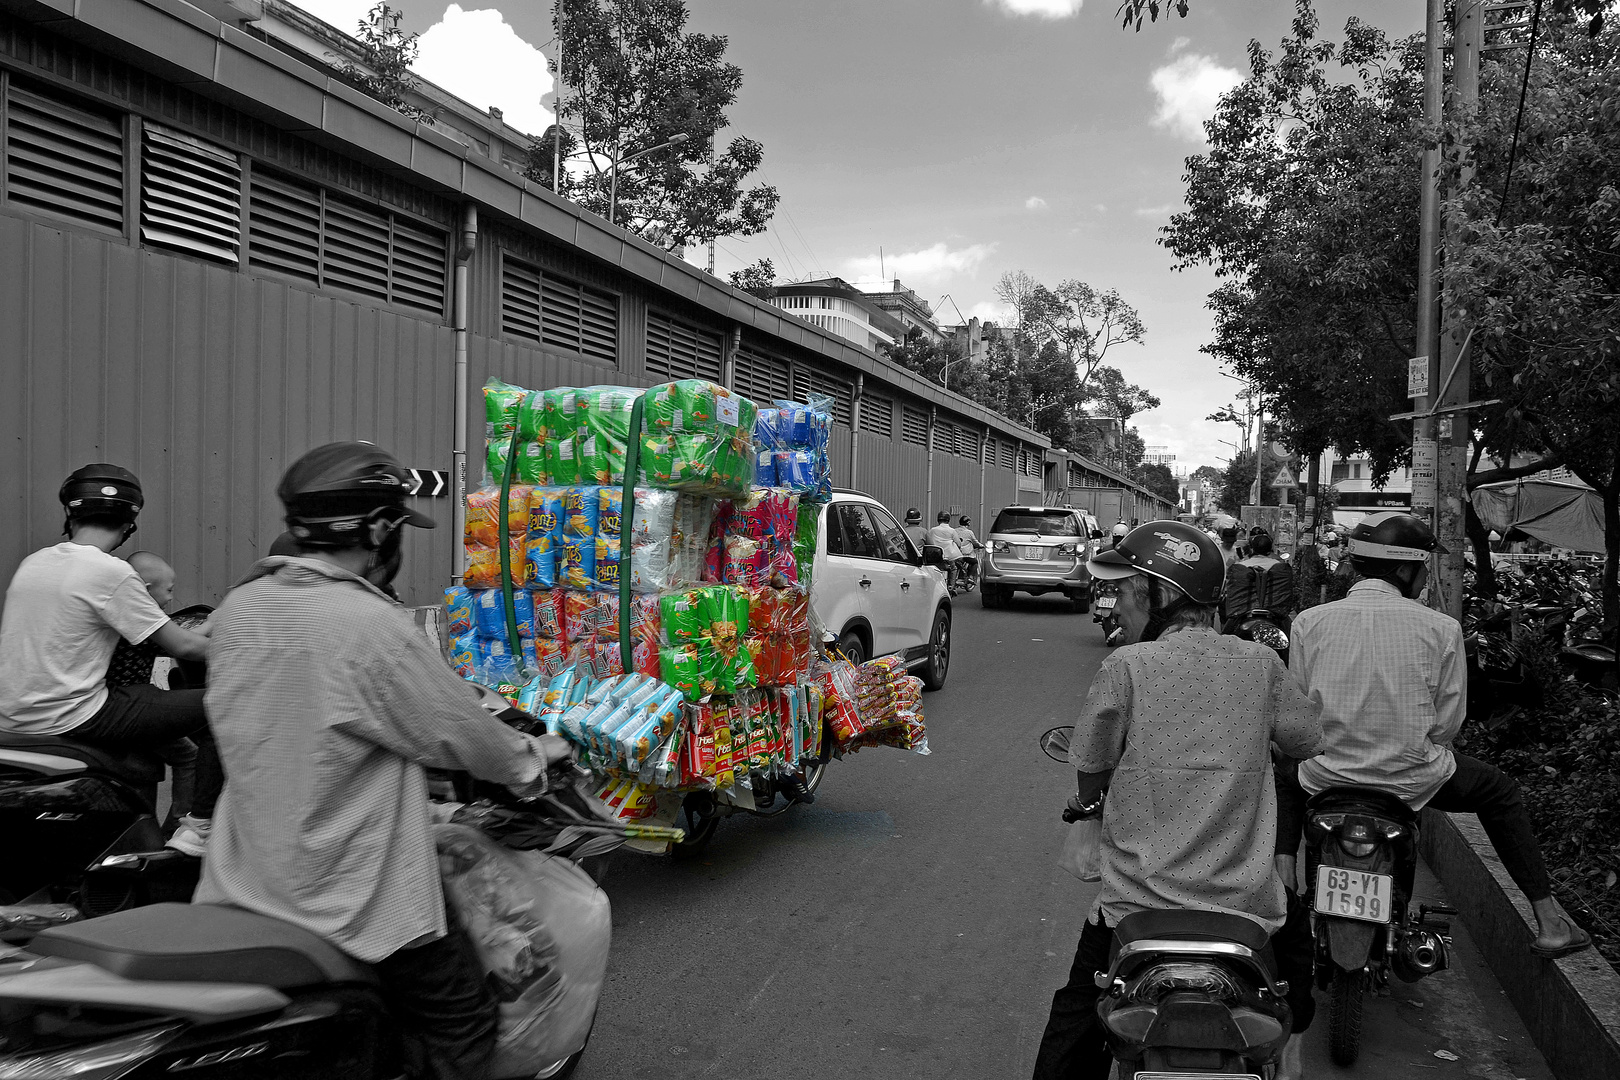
[1039, 522]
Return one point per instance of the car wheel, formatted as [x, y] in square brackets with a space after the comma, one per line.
[939, 652]
[853, 647]
[1081, 602]
[989, 596]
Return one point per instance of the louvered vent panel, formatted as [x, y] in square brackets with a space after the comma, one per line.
[559, 313]
[191, 195]
[761, 377]
[990, 452]
[356, 250]
[877, 416]
[64, 160]
[1008, 455]
[807, 381]
[678, 351]
[599, 326]
[284, 227]
[520, 301]
[418, 266]
[914, 424]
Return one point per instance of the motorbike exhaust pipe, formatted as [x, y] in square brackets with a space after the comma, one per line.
[1421, 952]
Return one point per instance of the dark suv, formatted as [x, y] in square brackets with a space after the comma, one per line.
[1037, 550]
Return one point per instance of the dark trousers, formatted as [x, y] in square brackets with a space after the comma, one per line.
[1475, 788]
[439, 996]
[1074, 1046]
[146, 718]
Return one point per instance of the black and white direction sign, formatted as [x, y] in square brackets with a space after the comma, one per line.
[428, 483]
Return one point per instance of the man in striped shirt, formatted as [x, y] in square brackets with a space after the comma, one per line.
[327, 702]
[1393, 681]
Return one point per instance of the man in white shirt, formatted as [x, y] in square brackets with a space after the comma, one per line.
[943, 537]
[66, 608]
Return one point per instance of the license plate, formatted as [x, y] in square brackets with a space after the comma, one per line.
[1106, 603]
[1033, 554]
[1354, 894]
[1195, 1076]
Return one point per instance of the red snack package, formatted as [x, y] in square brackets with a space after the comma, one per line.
[549, 620]
[579, 615]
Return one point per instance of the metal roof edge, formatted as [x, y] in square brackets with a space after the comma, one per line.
[1097, 466]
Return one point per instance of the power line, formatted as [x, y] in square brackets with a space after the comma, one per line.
[1524, 89]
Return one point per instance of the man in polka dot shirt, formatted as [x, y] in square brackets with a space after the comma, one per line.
[1176, 730]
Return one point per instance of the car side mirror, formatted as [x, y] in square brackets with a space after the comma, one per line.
[1096, 534]
[933, 555]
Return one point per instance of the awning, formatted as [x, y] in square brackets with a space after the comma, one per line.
[1563, 515]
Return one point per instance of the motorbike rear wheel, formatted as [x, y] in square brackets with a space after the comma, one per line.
[1344, 1016]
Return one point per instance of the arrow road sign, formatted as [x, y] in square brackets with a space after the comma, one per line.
[428, 483]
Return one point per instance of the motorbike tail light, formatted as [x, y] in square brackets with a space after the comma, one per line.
[1357, 849]
[1130, 1022]
[97, 1061]
[1159, 980]
[1393, 831]
[1259, 1029]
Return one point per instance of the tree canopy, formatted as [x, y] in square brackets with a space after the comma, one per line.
[634, 79]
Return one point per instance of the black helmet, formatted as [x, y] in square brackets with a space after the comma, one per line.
[1171, 551]
[103, 490]
[913, 516]
[943, 517]
[966, 520]
[1388, 536]
[333, 492]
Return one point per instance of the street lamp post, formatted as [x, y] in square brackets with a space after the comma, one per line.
[613, 190]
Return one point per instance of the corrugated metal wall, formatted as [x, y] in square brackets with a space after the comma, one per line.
[206, 383]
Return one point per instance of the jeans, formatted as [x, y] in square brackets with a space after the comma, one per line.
[1074, 1046]
[438, 995]
[145, 718]
[1475, 788]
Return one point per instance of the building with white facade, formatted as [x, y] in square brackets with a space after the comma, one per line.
[837, 306]
[912, 310]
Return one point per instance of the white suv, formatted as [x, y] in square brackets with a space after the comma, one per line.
[872, 588]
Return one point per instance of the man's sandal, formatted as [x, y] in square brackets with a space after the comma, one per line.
[1581, 940]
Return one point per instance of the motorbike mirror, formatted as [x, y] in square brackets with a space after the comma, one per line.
[1055, 743]
[933, 555]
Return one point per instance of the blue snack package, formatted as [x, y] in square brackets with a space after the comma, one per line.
[606, 575]
[577, 566]
[464, 656]
[458, 604]
[610, 511]
[496, 664]
[531, 699]
[796, 470]
[541, 554]
[581, 506]
[490, 608]
[793, 424]
[764, 467]
[768, 428]
[546, 513]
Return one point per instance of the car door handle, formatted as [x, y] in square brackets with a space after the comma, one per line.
[866, 583]
[905, 585]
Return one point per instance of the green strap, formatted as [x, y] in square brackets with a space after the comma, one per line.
[627, 513]
[506, 559]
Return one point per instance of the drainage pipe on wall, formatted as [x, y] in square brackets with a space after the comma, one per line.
[855, 431]
[928, 506]
[984, 446]
[458, 445]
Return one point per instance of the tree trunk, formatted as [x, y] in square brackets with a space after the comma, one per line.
[1611, 561]
[1480, 538]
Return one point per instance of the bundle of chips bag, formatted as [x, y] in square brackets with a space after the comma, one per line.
[484, 515]
[458, 601]
[693, 518]
[604, 432]
[578, 564]
[464, 655]
[562, 460]
[579, 615]
[483, 570]
[541, 554]
[549, 619]
[698, 437]
[581, 510]
[489, 609]
[531, 464]
[502, 404]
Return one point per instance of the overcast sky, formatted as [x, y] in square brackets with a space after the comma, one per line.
[947, 141]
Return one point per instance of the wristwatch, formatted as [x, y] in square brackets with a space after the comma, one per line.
[1091, 809]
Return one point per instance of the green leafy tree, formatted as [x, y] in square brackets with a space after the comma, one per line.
[636, 78]
[1133, 13]
[388, 53]
[758, 279]
[940, 362]
[1159, 480]
[1237, 481]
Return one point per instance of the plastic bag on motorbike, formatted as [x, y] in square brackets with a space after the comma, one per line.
[541, 929]
[1082, 850]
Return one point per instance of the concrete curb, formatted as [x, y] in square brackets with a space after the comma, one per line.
[1571, 1006]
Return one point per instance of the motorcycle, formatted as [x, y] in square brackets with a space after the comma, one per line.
[1361, 861]
[1264, 626]
[765, 795]
[1102, 611]
[80, 820]
[1189, 993]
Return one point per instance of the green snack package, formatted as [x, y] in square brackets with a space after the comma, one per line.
[531, 422]
[681, 666]
[604, 425]
[495, 459]
[559, 413]
[726, 609]
[502, 402]
[531, 463]
[562, 461]
[685, 619]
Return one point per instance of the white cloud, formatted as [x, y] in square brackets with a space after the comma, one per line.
[1034, 202]
[987, 311]
[1155, 211]
[476, 55]
[928, 266]
[1042, 9]
[1188, 88]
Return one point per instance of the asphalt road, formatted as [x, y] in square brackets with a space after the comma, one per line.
[912, 922]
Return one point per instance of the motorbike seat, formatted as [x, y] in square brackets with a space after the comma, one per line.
[203, 943]
[1361, 800]
[1189, 924]
[139, 767]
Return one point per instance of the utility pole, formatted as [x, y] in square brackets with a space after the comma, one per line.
[557, 101]
[1424, 371]
[1454, 426]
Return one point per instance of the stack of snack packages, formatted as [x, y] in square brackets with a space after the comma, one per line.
[719, 685]
[874, 704]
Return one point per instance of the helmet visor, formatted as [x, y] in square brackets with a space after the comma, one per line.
[1394, 552]
[1111, 566]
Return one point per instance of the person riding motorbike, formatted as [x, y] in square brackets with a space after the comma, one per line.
[1119, 532]
[914, 529]
[967, 543]
[943, 537]
[1392, 678]
[1176, 730]
[1260, 581]
[329, 704]
[1229, 545]
[67, 607]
